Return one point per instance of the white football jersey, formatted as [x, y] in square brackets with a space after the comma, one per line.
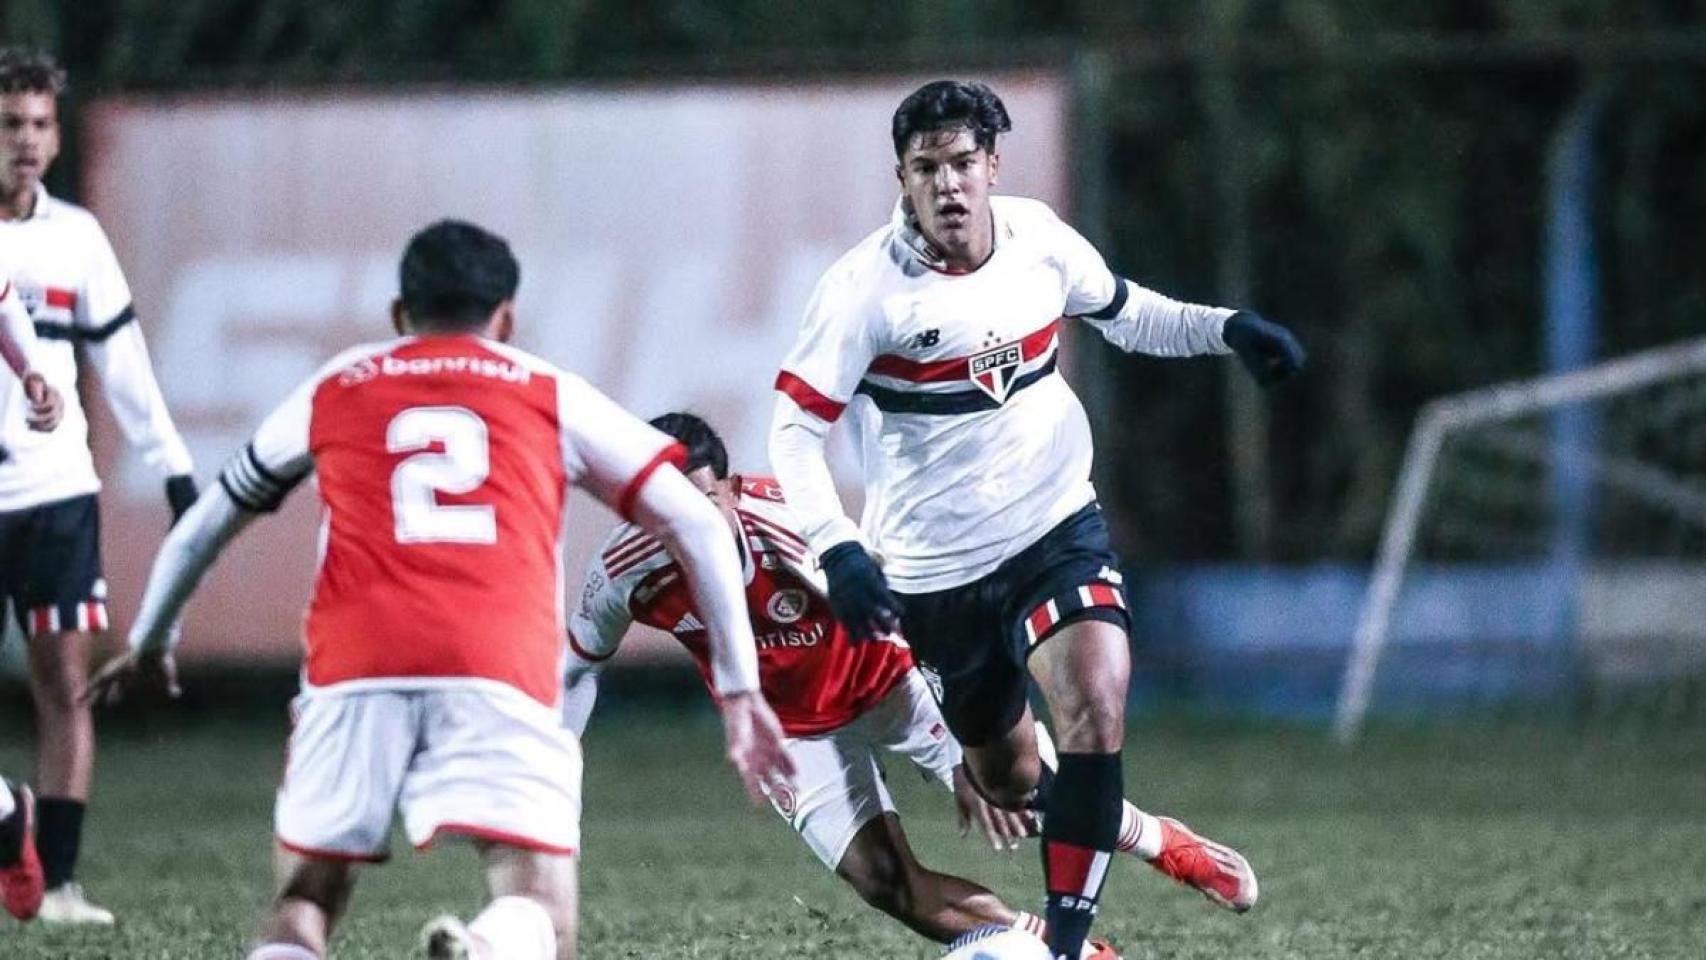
[974, 446]
[70, 281]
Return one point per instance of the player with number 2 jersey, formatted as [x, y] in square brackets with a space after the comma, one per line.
[434, 634]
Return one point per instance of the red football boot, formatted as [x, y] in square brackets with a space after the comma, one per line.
[1220, 872]
[22, 884]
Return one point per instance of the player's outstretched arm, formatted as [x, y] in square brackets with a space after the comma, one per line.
[670, 508]
[859, 595]
[189, 550]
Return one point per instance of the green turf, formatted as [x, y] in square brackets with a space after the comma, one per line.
[1461, 844]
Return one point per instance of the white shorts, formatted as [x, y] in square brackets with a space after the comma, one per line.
[477, 762]
[838, 783]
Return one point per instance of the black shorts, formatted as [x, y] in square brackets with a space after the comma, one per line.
[50, 566]
[976, 637]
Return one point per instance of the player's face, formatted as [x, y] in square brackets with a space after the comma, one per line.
[946, 177]
[29, 139]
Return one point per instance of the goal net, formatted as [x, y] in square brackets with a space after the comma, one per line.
[1546, 548]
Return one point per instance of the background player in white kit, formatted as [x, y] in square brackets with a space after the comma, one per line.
[22, 885]
[434, 635]
[977, 489]
[49, 519]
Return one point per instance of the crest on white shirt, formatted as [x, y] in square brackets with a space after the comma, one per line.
[993, 371]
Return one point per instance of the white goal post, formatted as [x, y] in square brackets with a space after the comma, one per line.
[1446, 416]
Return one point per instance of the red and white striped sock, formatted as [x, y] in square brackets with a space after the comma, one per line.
[1140, 833]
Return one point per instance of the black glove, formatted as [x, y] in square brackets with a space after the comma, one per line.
[858, 595]
[1268, 350]
[180, 495]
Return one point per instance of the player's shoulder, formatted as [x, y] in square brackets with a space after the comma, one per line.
[355, 365]
[70, 222]
[627, 555]
[1024, 214]
[760, 489]
[853, 275]
[65, 211]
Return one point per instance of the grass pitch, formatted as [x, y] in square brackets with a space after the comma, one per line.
[1462, 843]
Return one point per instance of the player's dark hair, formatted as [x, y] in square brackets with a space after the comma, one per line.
[454, 274]
[951, 105]
[704, 447]
[26, 70]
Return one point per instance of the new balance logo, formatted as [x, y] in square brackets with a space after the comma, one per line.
[926, 340]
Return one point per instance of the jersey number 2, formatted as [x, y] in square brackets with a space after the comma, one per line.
[461, 465]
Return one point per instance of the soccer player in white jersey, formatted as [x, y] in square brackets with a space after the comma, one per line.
[434, 643]
[49, 520]
[977, 455]
[21, 883]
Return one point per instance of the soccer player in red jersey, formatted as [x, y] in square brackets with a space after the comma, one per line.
[434, 635]
[841, 704]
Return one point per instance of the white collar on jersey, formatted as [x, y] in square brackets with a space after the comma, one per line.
[43, 205]
[912, 242]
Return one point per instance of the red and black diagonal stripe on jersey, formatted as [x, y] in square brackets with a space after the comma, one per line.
[918, 386]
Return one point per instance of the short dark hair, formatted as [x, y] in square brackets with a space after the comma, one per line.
[26, 70]
[949, 105]
[454, 274]
[704, 447]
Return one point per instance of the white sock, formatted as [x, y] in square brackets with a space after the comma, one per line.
[1140, 833]
[7, 802]
[516, 928]
[282, 951]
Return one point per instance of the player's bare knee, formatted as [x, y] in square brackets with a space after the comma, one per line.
[1095, 727]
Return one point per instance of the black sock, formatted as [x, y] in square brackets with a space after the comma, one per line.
[1080, 828]
[59, 835]
[12, 829]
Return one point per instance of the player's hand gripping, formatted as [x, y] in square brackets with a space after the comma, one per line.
[47, 407]
[1269, 351]
[156, 669]
[754, 740]
[859, 595]
[1005, 829]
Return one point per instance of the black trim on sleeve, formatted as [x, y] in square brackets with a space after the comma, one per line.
[1112, 310]
[251, 485]
[47, 330]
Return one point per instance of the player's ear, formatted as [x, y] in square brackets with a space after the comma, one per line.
[502, 324]
[994, 167]
[399, 318]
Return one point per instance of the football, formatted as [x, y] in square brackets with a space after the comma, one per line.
[1005, 944]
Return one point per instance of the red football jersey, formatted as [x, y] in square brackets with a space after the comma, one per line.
[814, 678]
[443, 463]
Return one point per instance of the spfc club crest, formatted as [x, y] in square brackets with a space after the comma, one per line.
[995, 370]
